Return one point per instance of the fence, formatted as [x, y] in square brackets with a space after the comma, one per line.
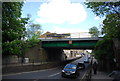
[24, 67]
[22, 63]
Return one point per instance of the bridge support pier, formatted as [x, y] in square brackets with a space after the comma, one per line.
[55, 54]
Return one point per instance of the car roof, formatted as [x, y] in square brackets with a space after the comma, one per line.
[70, 65]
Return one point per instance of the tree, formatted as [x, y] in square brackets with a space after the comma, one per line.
[104, 53]
[33, 29]
[94, 31]
[111, 24]
[104, 8]
[103, 50]
[111, 10]
[13, 28]
[33, 33]
[13, 25]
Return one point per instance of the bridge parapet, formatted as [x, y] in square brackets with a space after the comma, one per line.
[70, 43]
[73, 39]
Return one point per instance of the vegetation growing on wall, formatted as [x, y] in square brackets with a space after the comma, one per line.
[14, 32]
[104, 50]
[110, 28]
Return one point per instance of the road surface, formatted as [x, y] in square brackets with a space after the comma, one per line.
[48, 74]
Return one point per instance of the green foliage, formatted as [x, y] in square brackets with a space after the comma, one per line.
[104, 50]
[33, 33]
[32, 29]
[112, 26]
[13, 47]
[33, 41]
[13, 25]
[13, 28]
[104, 8]
[94, 32]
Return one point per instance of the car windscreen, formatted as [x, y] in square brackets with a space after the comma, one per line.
[70, 66]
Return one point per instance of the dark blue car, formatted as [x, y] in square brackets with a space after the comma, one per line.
[70, 70]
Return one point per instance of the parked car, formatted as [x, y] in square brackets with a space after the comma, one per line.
[70, 70]
[89, 56]
[81, 65]
[86, 60]
[82, 54]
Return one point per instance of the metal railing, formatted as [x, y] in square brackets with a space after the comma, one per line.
[88, 74]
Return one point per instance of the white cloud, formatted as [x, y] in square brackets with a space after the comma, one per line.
[61, 11]
[60, 30]
[97, 18]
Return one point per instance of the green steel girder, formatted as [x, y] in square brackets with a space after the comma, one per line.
[66, 44]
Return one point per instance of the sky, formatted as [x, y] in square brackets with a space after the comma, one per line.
[61, 16]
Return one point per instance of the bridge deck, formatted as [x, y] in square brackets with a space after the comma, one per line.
[65, 43]
[73, 39]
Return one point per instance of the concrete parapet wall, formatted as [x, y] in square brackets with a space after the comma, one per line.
[33, 67]
[36, 54]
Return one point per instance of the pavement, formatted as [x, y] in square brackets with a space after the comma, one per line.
[101, 76]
